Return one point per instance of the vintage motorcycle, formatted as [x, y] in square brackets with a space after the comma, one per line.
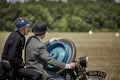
[65, 51]
[79, 73]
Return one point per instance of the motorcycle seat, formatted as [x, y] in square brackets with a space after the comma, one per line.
[6, 65]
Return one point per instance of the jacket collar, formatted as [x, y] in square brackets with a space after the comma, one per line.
[20, 34]
[39, 38]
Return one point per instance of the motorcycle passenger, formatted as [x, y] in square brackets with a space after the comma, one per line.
[37, 56]
[13, 47]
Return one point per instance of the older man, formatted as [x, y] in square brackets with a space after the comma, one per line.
[13, 47]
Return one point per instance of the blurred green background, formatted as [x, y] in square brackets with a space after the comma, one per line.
[63, 15]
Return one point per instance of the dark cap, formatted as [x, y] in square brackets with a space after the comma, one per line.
[21, 23]
[40, 28]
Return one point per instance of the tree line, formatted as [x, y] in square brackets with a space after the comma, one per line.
[73, 16]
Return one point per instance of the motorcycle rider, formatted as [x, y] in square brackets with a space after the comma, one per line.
[37, 56]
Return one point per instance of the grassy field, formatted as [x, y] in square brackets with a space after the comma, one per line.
[103, 50]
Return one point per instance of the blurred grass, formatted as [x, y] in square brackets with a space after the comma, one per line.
[103, 50]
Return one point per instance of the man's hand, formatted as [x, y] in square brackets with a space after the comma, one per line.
[53, 39]
[70, 65]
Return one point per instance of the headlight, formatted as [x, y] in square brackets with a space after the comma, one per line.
[83, 61]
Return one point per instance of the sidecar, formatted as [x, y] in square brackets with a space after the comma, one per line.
[64, 50]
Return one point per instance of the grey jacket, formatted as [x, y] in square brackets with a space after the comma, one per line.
[36, 56]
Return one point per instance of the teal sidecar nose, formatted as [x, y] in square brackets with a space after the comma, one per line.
[63, 50]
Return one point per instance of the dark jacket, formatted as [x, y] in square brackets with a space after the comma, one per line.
[13, 49]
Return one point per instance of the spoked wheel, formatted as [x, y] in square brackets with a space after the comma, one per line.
[63, 50]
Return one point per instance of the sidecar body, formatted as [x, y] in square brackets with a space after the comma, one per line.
[63, 50]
